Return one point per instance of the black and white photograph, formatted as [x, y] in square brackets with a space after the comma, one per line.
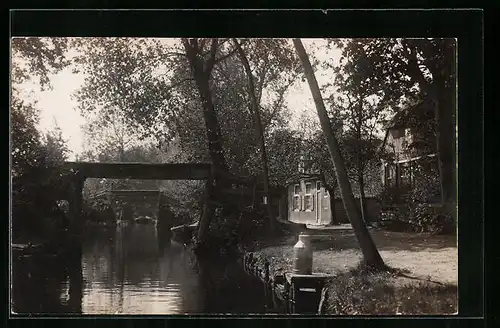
[233, 176]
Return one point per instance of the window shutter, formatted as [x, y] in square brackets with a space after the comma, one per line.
[302, 202]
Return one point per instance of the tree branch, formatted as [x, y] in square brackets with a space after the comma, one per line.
[229, 54]
[260, 85]
[176, 84]
[278, 102]
[211, 59]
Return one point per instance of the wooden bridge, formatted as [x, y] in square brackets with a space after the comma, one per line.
[117, 170]
[143, 171]
[248, 188]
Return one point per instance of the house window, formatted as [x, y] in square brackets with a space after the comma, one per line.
[406, 175]
[390, 175]
[318, 185]
[308, 198]
[296, 198]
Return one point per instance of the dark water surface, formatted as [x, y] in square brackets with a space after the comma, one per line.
[133, 270]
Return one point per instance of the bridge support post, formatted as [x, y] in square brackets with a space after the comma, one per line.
[207, 214]
[75, 204]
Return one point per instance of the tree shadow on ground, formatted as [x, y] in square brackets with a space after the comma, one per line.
[386, 241]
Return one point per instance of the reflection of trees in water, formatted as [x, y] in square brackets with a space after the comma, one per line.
[137, 253]
[98, 258]
[226, 288]
[47, 285]
[123, 271]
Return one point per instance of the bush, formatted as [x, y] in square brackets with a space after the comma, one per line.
[35, 210]
[228, 231]
[428, 218]
[412, 205]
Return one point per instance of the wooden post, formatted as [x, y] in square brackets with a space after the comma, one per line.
[75, 203]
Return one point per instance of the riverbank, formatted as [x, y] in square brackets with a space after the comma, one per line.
[424, 281]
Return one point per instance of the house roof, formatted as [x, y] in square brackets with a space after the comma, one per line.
[402, 118]
[293, 179]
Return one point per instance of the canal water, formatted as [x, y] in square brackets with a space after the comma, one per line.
[134, 270]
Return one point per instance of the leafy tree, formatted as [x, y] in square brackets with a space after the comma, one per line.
[370, 253]
[361, 104]
[255, 99]
[108, 136]
[414, 69]
[33, 193]
[25, 139]
[55, 146]
[37, 58]
[33, 59]
[162, 88]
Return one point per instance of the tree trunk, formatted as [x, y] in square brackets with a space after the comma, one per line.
[445, 97]
[202, 77]
[442, 93]
[371, 255]
[445, 142]
[362, 198]
[259, 131]
[212, 126]
[359, 159]
[202, 71]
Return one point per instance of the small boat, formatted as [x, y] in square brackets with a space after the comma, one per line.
[144, 220]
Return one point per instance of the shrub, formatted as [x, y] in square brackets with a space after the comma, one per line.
[428, 218]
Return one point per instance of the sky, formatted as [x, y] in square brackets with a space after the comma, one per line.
[57, 104]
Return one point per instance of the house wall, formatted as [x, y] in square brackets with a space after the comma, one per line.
[311, 216]
[319, 213]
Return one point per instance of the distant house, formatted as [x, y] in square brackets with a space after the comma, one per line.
[309, 202]
[410, 140]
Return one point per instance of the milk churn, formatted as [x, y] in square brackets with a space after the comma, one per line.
[302, 256]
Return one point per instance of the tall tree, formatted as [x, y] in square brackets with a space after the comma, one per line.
[362, 106]
[370, 253]
[55, 146]
[423, 69]
[201, 68]
[33, 59]
[109, 135]
[255, 106]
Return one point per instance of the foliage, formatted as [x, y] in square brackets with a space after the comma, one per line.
[156, 71]
[361, 104]
[427, 218]
[420, 69]
[284, 147]
[363, 293]
[55, 147]
[37, 57]
[25, 138]
[228, 233]
[417, 205]
[34, 189]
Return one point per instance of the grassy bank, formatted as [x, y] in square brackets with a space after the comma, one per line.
[423, 279]
[360, 292]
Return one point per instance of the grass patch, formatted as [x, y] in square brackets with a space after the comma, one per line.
[361, 291]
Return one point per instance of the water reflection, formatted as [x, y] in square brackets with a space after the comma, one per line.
[134, 269]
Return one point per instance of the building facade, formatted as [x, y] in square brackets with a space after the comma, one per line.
[410, 145]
